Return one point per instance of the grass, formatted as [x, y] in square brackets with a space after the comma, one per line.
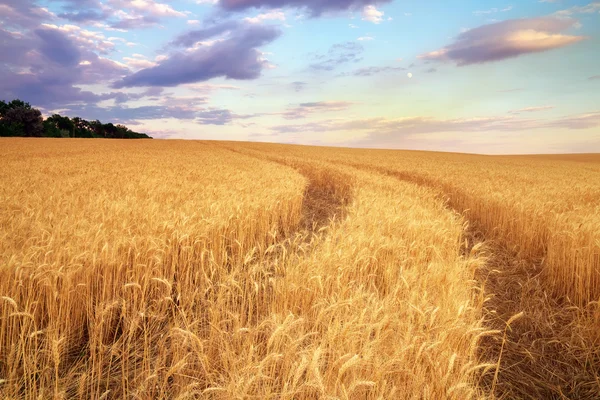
[184, 270]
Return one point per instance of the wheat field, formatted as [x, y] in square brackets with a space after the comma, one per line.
[228, 270]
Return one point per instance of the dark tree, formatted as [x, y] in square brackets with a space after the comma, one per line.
[63, 123]
[83, 128]
[3, 108]
[97, 128]
[18, 118]
[51, 130]
[29, 119]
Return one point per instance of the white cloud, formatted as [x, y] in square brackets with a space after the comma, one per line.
[492, 10]
[207, 88]
[276, 15]
[372, 14]
[154, 8]
[531, 109]
[365, 38]
[137, 63]
[91, 40]
[144, 7]
[587, 9]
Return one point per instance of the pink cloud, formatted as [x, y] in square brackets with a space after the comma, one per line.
[506, 39]
[303, 110]
[531, 109]
[380, 126]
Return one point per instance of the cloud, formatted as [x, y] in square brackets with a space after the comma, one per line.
[380, 127]
[23, 14]
[314, 7]
[122, 114]
[137, 22]
[122, 97]
[138, 61]
[148, 7]
[298, 86]
[372, 14]
[370, 71]
[531, 109]
[120, 14]
[208, 88]
[14, 48]
[215, 117]
[275, 15]
[83, 16]
[338, 54]
[192, 37]
[46, 66]
[506, 39]
[580, 121]
[57, 47]
[365, 38]
[412, 125]
[492, 11]
[235, 57]
[303, 110]
[590, 8]
[86, 39]
[594, 78]
[51, 89]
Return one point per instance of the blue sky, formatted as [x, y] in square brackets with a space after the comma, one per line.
[470, 76]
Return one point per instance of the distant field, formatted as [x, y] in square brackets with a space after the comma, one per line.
[221, 270]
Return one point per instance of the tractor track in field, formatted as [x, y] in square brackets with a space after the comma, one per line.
[542, 355]
[326, 194]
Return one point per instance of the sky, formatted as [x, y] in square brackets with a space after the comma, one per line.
[491, 77]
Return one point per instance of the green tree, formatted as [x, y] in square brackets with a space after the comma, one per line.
[97, 128]
[29, 119]
[51, 130]
[3, 107]
[83, 128]
[7, 130]
[18, 118]
[62, 123]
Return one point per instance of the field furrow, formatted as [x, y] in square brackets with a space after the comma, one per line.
[541, 242]
[538, 347]
[379, 261]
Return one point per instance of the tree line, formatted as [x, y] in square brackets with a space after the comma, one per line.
[18, 118]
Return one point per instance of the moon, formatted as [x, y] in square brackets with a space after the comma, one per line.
[409, 74]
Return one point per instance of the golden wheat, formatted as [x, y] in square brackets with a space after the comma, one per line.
[540, 215]
[180, 270]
